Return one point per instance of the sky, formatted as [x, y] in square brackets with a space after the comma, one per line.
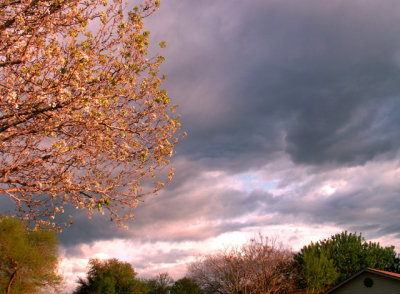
[292, 114]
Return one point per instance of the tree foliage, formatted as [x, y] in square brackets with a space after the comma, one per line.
[83, 119]
[259, 266]
[28, 259]
[395, 268]
[109, 276]
[333, 260]
[112, 276]
[161, 284]
[318, 271]
[185, 286]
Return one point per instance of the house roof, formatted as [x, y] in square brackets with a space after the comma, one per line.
[368, 270]
[384, 273]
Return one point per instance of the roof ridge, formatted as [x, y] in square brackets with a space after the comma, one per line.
[385, 272]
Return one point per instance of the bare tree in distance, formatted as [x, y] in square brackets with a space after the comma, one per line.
[259, 266]
[83, 120]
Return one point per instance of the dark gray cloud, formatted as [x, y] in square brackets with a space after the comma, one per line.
[6, 205]
[304, 94]
[316, 80]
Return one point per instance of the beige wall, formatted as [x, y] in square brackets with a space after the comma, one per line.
[382, 285]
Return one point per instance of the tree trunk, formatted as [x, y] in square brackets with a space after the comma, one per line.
[12, 278]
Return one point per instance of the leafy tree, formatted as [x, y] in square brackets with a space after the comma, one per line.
[109, 276]
[185, 286]
[83, 120]
[317, 272]
[144, 286]
[339, 257]
[395, 268]
[161, 284]
[260, 266]
[28, 259]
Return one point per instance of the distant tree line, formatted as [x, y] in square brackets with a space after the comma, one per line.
[261, 266]
[112, 276]
[28, 264]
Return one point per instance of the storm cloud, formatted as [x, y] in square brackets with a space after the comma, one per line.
[315, 79]
[292, 113]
